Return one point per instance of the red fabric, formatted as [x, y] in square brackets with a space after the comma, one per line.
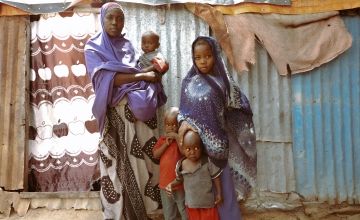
[202, 213]
[160, 65]
[167, 163]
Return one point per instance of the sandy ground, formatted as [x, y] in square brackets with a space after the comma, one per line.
[45, 214]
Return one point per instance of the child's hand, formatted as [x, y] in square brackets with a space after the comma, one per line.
[168, 189]
[218, 199]
[170, 137]
[169, 140]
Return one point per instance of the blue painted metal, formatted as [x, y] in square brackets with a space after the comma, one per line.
[326, 127]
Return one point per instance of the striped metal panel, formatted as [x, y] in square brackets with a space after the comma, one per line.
[326, 127]
[275, 167]
[270, 98]
[14, 44]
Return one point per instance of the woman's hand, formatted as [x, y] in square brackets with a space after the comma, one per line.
[151, 77]
[184, 127]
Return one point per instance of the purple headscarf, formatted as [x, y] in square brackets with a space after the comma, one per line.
[215, 106]
[105, 57]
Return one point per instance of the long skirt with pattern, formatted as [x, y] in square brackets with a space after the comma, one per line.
[129, 173]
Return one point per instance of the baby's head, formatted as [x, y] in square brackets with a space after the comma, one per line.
[150, 41]
[192, 146]
[171, 123]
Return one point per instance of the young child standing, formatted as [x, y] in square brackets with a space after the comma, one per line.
[198, 174]
[152, 59]
[167, 150]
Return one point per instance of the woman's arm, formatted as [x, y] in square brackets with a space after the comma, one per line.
[148, 69]
[123, 78]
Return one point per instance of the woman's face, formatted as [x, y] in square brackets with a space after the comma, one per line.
[204, 58]
[114, 22]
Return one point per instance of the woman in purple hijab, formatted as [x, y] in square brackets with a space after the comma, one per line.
[125, 105]
[212, 105]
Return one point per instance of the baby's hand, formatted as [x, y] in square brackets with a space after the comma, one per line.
[218, 199]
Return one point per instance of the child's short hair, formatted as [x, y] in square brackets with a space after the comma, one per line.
[153, 34]
[191, 132]
[172, 112]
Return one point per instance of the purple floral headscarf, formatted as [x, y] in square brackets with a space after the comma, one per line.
[215, 106]
[106, 57]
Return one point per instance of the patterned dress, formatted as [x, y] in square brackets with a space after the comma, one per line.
[129, 173]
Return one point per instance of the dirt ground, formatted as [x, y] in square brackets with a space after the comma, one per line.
[300, 214]
[259, 206]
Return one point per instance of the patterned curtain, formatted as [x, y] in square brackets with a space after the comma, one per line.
[63, 133]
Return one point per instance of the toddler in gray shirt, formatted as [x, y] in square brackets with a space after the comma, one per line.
[198, 174]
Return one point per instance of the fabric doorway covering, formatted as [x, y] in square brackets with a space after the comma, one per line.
[63, 135]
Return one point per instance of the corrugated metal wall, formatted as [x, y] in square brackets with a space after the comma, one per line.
[326, 127]
[14, 46]
[41, 6]
[324, 103]
[270, 98]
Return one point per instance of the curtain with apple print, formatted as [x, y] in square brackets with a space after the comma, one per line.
[63, 134]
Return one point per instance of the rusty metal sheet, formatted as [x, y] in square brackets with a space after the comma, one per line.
[14, 64]
[50, 6]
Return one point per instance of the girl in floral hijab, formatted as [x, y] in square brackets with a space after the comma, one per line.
[214, 106]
